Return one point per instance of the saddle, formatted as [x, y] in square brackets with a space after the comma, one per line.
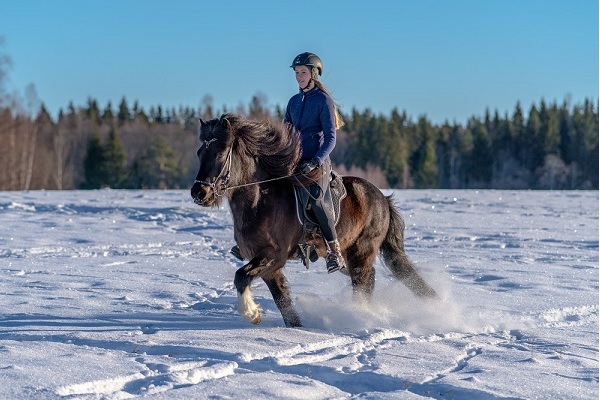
[302, 188]
[304, 191]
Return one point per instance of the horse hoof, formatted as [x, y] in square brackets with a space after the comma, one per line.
[256, 319]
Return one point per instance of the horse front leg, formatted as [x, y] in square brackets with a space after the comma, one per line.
[244, 276]
[265, 265]
[278, 285]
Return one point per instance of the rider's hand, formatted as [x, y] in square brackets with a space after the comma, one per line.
[307, 166]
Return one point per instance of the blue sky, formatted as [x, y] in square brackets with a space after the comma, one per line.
[449, 60]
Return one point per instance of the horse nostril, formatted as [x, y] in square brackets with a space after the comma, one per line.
[196, 191]
[197, 199]
[198, 195]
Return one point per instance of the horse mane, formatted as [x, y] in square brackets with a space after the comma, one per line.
[277, 150]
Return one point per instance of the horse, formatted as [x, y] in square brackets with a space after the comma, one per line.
[251, 164]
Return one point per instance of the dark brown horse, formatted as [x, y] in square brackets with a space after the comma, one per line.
[250, 163]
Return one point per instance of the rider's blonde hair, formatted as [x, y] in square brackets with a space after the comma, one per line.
[339, 121]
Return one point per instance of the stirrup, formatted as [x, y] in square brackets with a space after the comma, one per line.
[235, 250]
[334, 268]
[333, 263]
[307, 253]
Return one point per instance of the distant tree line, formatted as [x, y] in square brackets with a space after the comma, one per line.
[89, 147]
[549, 146]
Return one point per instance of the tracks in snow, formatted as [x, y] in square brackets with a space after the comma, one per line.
[152, 379]
[348, 362]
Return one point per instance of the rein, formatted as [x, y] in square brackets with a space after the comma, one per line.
[225, 174]
[224, 188]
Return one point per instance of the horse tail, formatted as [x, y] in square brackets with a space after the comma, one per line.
[395, 258]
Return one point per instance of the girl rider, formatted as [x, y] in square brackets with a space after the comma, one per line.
[314, 116]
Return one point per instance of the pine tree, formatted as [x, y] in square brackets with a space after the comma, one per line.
[550, 129]
[108, 116]
[114, 169]
[139, 113]
[93, 111]
[584, 143]
[93, 164]
[481, 156]
[156, 168]
[394, 151]
[565, 124]
[157, 115]
[424, 159]
[123, 115]
[517, 129]
[532, 147]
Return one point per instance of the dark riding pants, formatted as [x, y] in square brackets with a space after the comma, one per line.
[322, 204]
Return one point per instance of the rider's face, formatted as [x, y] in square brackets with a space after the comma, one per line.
[303, 75]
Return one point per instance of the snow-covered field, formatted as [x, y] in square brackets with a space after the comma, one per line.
[119, 294]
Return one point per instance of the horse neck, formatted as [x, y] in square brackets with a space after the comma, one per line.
[248, 172]
[243, 203]
[244, 200]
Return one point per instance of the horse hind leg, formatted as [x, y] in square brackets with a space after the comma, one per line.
[360, 265]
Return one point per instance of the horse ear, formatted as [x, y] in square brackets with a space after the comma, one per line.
[202, 123]
[224, 121]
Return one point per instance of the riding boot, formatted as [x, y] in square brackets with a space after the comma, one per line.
[335, 260]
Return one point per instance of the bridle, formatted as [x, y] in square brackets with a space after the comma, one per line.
[219, 189]
[223, 176]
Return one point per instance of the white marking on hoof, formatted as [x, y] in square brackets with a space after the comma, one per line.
[248, 308]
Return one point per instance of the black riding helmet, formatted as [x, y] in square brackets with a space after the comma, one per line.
[310, 60]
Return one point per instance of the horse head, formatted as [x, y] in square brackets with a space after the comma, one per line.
[236, 152]
[215, 152]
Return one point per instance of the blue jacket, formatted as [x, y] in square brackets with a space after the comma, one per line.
[312, 114]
